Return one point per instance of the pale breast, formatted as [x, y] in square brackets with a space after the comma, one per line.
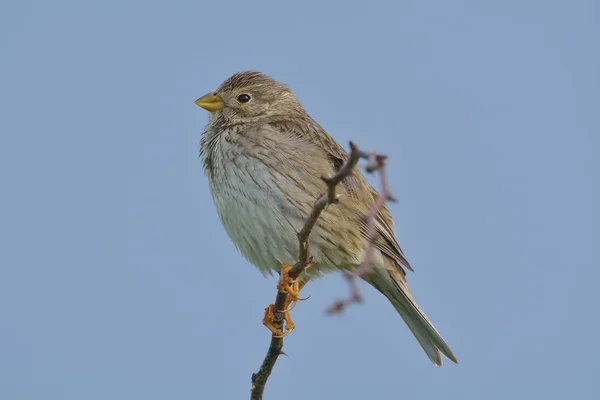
[255, 215]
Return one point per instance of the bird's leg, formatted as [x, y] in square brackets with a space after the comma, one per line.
[292, 288]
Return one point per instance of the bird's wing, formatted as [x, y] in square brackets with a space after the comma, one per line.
[386, 240]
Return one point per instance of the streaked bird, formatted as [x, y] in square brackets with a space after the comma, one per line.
[264, 157]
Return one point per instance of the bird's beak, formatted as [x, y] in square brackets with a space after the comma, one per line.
[210, 102]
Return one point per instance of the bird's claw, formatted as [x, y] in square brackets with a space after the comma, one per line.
[288, 285]
[276, 327]
[291, 287]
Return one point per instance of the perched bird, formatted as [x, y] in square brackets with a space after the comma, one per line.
[264, 157]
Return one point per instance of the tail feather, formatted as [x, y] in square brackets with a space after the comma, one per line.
[395, 288]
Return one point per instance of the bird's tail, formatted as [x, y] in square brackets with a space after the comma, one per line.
[393, 285]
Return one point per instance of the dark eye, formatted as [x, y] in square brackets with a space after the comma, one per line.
[243, 98]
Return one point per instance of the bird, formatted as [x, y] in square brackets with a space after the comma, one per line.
[264, 157]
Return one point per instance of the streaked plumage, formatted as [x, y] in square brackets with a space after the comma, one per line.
[264, 159]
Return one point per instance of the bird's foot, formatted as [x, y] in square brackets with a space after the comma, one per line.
[287, 284]
[292, 288]
[276, 326]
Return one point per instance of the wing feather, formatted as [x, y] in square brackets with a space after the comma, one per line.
[386, 240]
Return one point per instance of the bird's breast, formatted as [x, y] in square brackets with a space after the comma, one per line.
[253, 203]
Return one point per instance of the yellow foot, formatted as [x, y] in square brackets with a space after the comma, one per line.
[276, 327]
[291, 287]
[287, 284]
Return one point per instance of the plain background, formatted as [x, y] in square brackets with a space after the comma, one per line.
[117, 280]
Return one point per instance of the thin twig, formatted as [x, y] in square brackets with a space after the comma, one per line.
[371, 218]
[259, 379]
[376, 164]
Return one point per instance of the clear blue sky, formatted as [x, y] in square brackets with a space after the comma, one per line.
[117, 280]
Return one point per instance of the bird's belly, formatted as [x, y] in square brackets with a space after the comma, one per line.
[258, 216]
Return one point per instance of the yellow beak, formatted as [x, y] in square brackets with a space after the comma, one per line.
[210, 102]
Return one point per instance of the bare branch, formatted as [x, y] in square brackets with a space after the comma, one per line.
[376, 163]
[259, 379]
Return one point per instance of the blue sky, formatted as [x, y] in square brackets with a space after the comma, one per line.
[118, 280]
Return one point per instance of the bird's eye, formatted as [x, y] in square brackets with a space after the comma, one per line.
[243, 98]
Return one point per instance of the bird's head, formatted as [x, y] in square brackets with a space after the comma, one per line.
[249, 96]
